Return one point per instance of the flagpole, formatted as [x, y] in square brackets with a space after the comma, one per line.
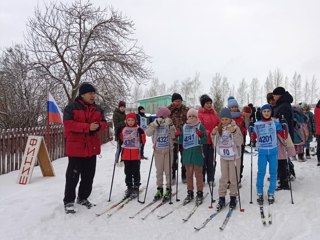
[48, 127]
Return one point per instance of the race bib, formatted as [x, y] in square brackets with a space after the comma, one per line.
[225, 147]
[162, 141]
[266, 134]
[190, 138]
[143, 123]
[130, 138]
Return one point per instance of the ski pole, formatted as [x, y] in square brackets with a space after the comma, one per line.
[214, 162]
[235, 168]
[114, 166]
[287, 159]
[251, 127]
[145, 195]
[177, 178]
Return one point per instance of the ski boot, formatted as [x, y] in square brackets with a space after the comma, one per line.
[188, 198]
[69, 208]
[308, 154]
[221, 204]
[199, 198]
[128, 192]
[233, 202]
[135, 192]
[159, 194]
[167, 195]
[260, 199]
[85, 202]
[270, 198]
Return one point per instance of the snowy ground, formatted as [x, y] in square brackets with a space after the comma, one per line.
[35, 211]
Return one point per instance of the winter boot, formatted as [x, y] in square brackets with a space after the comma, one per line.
[128, 192]
[159, 194]
[260, 198]
[189, 197]
[135, 191]
[308, 154]
[233, 202]
[318, 163]
[294, 158]
[221, 204]
[199, 198]
[183, 174]
[167, 195]
[270, 198]
[85, 202]
[301, 157]
[69, 208]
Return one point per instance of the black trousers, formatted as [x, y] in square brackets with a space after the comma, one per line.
[282, 172]
[209, 166]
[132, 172]
[178, 148]
[243, 146]
[318, 147]
[79, 167]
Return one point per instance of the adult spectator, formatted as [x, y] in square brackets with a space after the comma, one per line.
[179, 118]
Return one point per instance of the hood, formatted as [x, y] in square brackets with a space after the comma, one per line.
[285, 98]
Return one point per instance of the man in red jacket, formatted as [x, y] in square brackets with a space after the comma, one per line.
[82, 120]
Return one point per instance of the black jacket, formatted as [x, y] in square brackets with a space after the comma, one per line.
[283, 108]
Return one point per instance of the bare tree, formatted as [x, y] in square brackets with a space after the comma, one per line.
[216, 92]
[314, 90]
[23, 93]
[242, 92]
[78, 42]
[174, 87]
[306, 91]
[187, 91]
[268, 85]
[254, 91]
[277, 78]
[295, 87]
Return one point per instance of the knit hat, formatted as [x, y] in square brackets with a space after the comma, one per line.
[121, 104]
[140, 108]
[192, 112]
[176, 96]
[225, 113]
[204, 98]
[131, 115]
[232, 102]
[247, 109]
[266, 106]
[85, 88]
[279, 91]
[163, 112]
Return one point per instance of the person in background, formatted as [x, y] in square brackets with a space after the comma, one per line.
[163, 133]
[239, 120]
[229, 140]
[132, 137]
[119, 119]
[179, 118]
[317, 121]
[283, 112]
[193, 134]
[311, 127]
[82, 120]
[271, 101]
[142, 122]
[209, 119]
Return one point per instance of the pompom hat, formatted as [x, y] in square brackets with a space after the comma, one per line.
[163, 112]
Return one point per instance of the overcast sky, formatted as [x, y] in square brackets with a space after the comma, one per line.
[237, 38]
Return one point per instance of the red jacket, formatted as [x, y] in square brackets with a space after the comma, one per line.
[77, 117]
[132, 153]
[209, 119]
[241, 124]
[317, 119]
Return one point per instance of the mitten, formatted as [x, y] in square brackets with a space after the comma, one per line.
[168, 121]
[199, 133]
[140, 131]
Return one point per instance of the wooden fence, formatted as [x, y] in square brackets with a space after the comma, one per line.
[13, 142]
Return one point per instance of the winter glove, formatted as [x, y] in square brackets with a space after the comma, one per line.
[178, 132]
[168, 121]
[283, 121]
[199, 133]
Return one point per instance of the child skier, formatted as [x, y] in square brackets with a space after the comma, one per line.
[265, 131]
[228, 144]
[192, 136]
[163, 132]
[132, 137]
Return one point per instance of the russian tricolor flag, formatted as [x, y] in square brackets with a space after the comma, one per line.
[54, 113]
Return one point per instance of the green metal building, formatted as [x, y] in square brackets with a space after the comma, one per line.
[152, 104]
